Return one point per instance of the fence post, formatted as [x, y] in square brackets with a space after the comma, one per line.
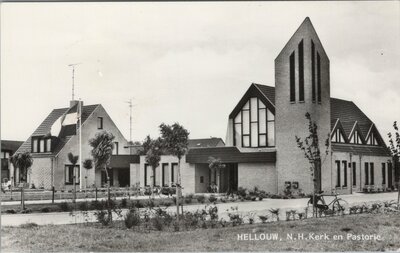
[96, 194]
[52, 196]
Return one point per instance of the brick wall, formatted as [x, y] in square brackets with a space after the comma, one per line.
[262, 175]
[290, 117]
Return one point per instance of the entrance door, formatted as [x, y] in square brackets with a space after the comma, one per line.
[124, 177]
[231, 178]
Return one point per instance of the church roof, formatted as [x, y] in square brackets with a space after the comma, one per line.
[346, 111]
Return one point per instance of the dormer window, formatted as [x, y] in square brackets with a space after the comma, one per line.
[372, 140]
[41, 144]
[356, 139]
[338, 137]
[254, 125]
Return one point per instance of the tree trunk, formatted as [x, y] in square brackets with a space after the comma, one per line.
[108, 194]
[178, 189]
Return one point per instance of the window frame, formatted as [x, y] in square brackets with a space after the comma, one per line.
[259, 110]
[354, 168]
[75, 168]
[292, 78]
[100, 123]
[338, 177]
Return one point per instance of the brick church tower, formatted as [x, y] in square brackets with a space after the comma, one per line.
[302, 85]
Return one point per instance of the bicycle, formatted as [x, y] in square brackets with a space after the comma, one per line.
[337, 204]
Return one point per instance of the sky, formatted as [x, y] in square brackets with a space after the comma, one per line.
[185, 62]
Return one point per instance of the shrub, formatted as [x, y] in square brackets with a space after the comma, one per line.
[139, 204]
[45, 210]
[96, 205]
[235, 217]
[64, 206]
[26, 210]
[158, 223]
[28, 225]
[132, 218]
[248, 197]
[241, 191]
[83, 206]
[201, 199]
[103, 217]
[124, 203]
[275, 212]
[188, 200]
[263, 218]
[212, 199]
[11, 211]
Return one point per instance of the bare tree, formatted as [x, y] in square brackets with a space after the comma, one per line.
[312, 152]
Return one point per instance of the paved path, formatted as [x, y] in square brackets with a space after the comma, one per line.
[256, 207]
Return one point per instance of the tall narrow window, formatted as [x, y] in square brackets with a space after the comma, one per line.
[354, 174]
[34, 145]
[292, 79]
[115, 149]
[313, 70]
[100, 123]
[165, 174]
[41, 146]
[271, 128]
[371, 168]
[301, 72]
[246, 125]
[48, 145]
[146, 175]
[254, 121]
[319, 77]
[345, 173]
[337, 173]
[366, 171]
[383, 173]
[174, 173]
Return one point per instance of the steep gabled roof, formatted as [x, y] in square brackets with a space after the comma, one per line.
[11, 146]
[265, 93]
[45, 127]
[205, 143]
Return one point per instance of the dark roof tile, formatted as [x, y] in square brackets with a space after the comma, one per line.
[203, 143]
[10, 145]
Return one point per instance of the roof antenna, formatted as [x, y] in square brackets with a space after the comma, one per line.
[73, 77]
[130, 119]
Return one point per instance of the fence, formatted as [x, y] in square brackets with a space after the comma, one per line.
[14, 194]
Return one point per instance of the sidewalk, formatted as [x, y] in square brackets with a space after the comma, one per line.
[256, 207]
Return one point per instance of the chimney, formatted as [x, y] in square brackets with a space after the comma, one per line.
[72, 103]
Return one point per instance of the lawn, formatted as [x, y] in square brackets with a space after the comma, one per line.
[94, 237]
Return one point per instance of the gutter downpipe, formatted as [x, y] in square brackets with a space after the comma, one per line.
[360, 173]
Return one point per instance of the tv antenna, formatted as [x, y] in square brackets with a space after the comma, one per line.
[130, 118]
[73, 77]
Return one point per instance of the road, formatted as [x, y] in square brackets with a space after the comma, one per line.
[256, 207]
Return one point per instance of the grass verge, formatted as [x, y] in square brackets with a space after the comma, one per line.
[94, 237]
